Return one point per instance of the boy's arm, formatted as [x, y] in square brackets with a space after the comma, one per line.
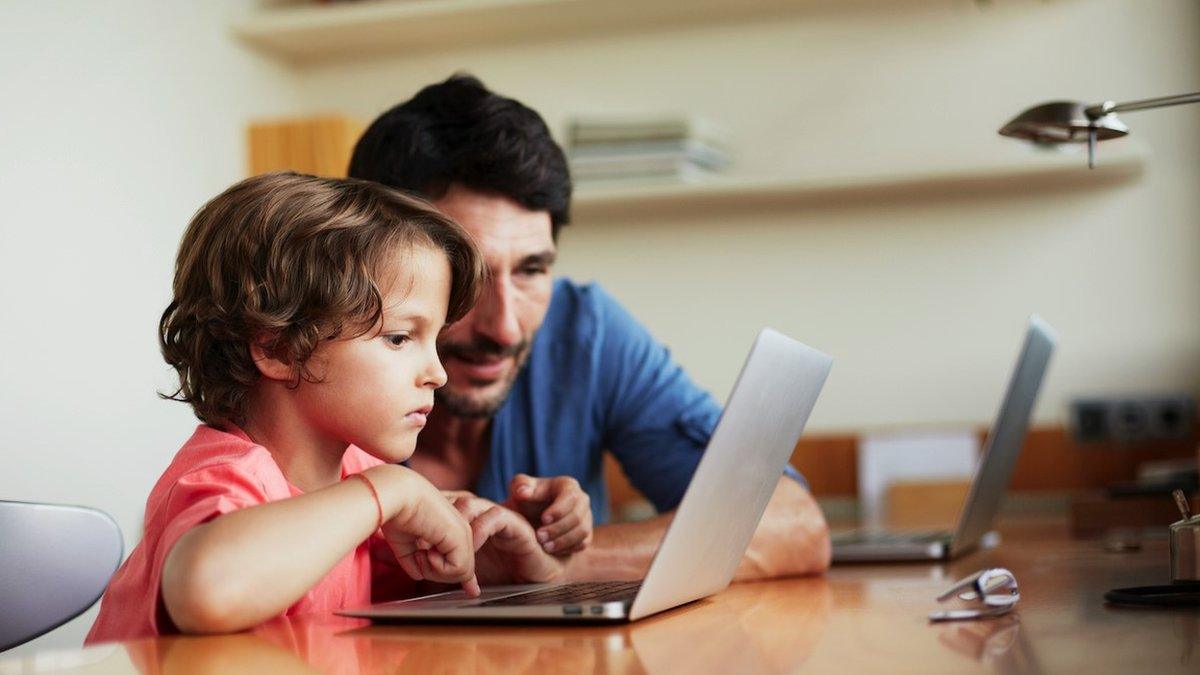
[792, 538]
[250, 565]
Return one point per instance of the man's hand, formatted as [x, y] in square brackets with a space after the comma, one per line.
[559, 509]
[507, 549]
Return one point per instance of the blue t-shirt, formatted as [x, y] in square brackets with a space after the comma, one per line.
[596, 380]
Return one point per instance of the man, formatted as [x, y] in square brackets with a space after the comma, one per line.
[544, 375]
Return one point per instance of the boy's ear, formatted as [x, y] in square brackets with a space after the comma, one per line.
[268, 364]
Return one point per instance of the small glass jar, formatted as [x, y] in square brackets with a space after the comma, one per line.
[1185, 543]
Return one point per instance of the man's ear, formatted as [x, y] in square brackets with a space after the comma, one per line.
[269, 365]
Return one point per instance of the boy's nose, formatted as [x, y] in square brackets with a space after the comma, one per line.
[435, 374]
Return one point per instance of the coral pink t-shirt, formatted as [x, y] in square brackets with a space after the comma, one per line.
[216, 472]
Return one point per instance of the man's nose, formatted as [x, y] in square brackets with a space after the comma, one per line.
[496, 313]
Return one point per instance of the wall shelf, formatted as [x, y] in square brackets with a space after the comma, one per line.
[309, 33]
[1031, 172]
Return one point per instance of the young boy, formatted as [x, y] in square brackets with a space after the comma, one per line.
[303, 330]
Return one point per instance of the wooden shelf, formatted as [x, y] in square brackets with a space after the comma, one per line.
[309, 33]
[1024, 173]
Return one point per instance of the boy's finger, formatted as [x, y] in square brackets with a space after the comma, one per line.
[471, 587]
[456, 559]
[439, 566]
[421, 558]
[487, 525]
[410, 568]
[443, 569]
[471, 508]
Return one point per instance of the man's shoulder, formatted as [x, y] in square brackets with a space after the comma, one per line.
[572, 298]
[588, 334]
[581, 309]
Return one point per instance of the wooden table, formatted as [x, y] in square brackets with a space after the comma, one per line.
[856, 619]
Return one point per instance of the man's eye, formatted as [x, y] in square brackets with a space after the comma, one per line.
[396, 340]
[532, 270]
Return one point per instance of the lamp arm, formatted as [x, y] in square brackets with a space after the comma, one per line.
[1101, 109]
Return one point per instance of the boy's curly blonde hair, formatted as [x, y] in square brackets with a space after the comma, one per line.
[288, 260]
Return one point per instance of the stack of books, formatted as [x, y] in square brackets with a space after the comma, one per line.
[606, 150]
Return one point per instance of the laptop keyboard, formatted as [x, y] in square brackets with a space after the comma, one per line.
[587, 591]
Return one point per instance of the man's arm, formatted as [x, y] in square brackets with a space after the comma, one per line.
[657, 423]
[792, 538]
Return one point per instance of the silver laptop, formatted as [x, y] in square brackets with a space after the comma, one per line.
[705, 541]
[991, 476]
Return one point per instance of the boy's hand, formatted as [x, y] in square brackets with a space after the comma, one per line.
[559, 509]
[507, 549]
[429, 537]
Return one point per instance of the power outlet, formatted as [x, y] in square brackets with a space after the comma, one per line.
[1133, 418]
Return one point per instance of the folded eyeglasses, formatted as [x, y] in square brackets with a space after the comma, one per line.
[993, 590]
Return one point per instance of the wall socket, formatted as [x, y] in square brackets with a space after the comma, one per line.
[1133, 418]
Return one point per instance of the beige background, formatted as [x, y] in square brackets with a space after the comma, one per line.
[921, 298]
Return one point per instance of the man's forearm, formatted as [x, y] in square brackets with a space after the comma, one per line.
[619, 552]
[792, 538]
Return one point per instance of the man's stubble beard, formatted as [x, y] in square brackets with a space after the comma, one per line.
[467, 406]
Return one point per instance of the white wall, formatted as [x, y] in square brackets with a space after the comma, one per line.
[117, 121]
[922, 299]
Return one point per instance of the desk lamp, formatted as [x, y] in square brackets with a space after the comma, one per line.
[1073, 122]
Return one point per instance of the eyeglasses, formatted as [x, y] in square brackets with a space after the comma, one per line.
[995, 589]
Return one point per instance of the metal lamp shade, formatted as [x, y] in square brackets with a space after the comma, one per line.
[1062, 122]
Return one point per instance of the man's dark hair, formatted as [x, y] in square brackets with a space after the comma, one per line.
[458, 131]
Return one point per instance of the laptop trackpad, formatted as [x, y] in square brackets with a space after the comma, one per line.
[460, 599]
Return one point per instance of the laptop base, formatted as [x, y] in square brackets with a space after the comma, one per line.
[864, 546]
[592, 602]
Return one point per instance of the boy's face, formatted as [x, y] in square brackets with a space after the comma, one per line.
[376, 390]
